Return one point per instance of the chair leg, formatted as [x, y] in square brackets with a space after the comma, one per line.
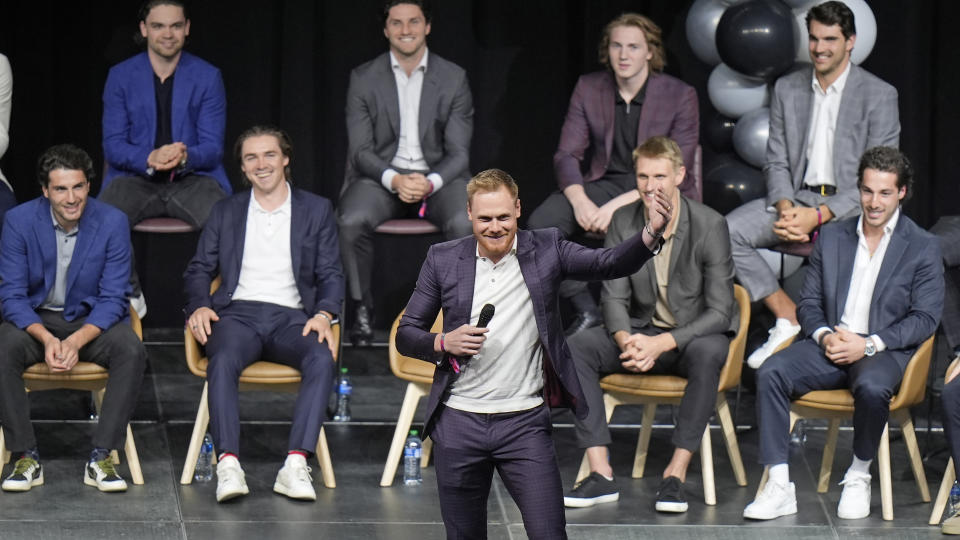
[610, 402]
[766, 468]
[829, 450]
[196, 439]
[323, 457]
[407, 410]
[910, 437]
[706, 468]
[643, 442]
[730, 438]
[133, 458]
[4, 453]
[949, 477]
[883, 463]
[584, 468]
[425, 452]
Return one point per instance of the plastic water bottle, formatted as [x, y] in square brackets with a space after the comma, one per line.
[798, 437]
[411, 460]
[344, 388]
[954, 504]
[204, 470]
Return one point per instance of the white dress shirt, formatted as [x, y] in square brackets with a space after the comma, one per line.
[409, 153]
[507, 374]
[823, 127]
[866, 268]
[266, 272]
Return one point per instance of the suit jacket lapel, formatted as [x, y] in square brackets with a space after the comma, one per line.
[87, 230]
[527, 258]
[429, 94]
[649, 108]
[296, 208]
[847, 118]
[182, 88]
[679, 238]
[891, 261]
[146, 92]
[846, 256]
[608, 107]
[803, 108]
[47, 239]
[240, 208]
[466, 275]
[387, 90]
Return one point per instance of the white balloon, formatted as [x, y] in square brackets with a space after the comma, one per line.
[734, 94]
[750, 136]
[864, 19]
[801, 4]
[702, 20]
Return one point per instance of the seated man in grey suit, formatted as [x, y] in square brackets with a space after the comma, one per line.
[821, 121]
[409, 123]
[872, 294]
[671, 317]
[947, 229]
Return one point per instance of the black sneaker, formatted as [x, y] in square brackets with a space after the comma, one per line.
[670, 496]
[594, 489]
[27, 473]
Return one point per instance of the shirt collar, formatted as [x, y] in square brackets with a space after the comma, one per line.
[887, 229]
[421, 66]
[837, 86]
[284, 208]
[513, 248]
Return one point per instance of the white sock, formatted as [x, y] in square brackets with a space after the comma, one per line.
[860, 465]
[780, 473]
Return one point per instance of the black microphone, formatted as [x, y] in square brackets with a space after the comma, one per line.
[486, 313]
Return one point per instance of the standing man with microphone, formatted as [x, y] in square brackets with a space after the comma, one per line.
[488, 408]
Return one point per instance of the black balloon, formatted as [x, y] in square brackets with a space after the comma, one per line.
[718, 130]
[728, 182]
[756, 38]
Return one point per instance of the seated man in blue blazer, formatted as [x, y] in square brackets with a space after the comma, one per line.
[275, 249]
[64, 266]
[872, 294]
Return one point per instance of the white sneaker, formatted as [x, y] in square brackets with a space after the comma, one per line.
[779, 334]
[27, 472]
[294, 479]
[774, 501]
[139, 304]
[855, 499]
[231, 482]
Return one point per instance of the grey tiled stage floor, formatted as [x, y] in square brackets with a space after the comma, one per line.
[359, 508]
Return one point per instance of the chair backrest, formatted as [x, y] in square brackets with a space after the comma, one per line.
[914, 384]
[397, 360]
[730, 375]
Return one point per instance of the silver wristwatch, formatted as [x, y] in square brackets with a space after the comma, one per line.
[870, 348]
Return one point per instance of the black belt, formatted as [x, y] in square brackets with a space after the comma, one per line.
[822, 189]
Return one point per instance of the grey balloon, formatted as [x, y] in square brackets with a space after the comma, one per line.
[750, 136]
[734, 94]
[702, 22]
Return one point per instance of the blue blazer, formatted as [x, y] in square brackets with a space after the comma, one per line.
[446, 282]
[907, 299]
[99, 274]
[314, 250]
[198, 117]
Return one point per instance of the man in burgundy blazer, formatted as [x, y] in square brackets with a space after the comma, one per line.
[489, 405]
[612, 112]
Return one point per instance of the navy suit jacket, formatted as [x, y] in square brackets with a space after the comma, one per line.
[198, 117]
[314, 251]
[907, 299]
[99, 272]
[446, 282]
[669, 108]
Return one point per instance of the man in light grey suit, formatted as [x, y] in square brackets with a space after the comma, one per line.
[671, 317]
[872, 295]
[821, 122]
[409, 122]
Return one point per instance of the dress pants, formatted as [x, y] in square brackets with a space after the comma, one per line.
[596, 355]
[189, 198]
[801, 368]
[948, 229]
[556, 211]
[950, 399]
[469, 446]
[248, 331]
[118, 350]
[366, 204]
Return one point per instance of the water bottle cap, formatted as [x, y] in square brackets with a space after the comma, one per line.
[413, 432]
[343, 370]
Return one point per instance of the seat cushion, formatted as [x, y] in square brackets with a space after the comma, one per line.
[834, 400]
[645, 385]
[262, 372]
[407, 226]
[163, 225]
[83, 371]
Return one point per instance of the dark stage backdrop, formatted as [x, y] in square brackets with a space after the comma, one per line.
[288, 63]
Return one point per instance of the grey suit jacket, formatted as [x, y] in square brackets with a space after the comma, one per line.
[700, 291]
[868, 117]
[373, 119]
[907, 298]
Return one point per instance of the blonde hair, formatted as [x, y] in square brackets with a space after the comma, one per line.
[660, 147]
[651, 32]
[491, 180]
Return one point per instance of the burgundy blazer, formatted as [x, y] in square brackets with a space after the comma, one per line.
[446, 282]
[669, 108]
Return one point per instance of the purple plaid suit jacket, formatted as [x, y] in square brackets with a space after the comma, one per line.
[447, 280]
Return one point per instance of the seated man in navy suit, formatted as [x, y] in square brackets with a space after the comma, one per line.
[64, 266]
[275, 249]
[872, 295]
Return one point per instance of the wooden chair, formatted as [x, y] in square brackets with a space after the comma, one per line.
[949, 477]
[83, 376]
[419, 375]
[260, 375]
[652, 390]
[837, 405]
